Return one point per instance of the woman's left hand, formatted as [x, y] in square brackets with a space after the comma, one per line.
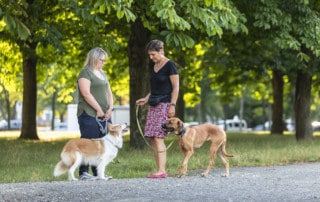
[172, 111]
[108, 114]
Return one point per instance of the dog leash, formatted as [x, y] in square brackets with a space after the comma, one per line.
[139, 127]
[140, 130]
[103, 130]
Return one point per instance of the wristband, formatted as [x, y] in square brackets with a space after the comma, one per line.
[172, 104]
[111, 108]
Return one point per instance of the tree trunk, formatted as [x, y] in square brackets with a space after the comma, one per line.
[203, 105]
[53, 109]
[302, 105]
[180, 102]
[139, 79]
[3, 107]
[205, 88]
[7, 100]
[277, 126]
[226, 110]
[241, 111]
[29, 105]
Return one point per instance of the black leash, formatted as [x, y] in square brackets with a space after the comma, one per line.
[103, 130]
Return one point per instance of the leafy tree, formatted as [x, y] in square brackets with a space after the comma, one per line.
[27, 25]
[117, 25]
[10, 79]
[33, 24]
[167, 20]
[295, 27]
[30, 23]
[179, 25]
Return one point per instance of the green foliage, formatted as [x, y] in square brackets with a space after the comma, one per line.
[192, 75]
[11, 11]
[224, 49]
[10, 63]
[178, 38]
[173, 19]
[122, 8]
[165, 11]
[10, 78]
[291, 25]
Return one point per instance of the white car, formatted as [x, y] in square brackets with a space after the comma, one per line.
[3, 124]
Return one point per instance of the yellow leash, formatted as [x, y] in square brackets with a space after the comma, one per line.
[139, 126]
[140, 130]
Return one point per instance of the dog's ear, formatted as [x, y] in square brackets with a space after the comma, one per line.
[180, 125]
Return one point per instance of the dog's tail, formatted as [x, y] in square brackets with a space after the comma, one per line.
[60, 169]
[224, 152]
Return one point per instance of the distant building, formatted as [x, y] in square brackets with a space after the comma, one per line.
[120, 115]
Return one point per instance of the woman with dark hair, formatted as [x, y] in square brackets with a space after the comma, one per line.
[162, 98]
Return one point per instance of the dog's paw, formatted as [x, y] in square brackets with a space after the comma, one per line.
[224, 175]
[204, 174]
[180, 175]
[106, 178]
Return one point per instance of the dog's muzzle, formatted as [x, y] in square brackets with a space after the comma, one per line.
[167, 129]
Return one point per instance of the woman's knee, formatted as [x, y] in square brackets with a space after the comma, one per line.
[157, 141]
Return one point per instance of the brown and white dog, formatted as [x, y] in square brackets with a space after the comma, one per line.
[191, 137]
[97, 152]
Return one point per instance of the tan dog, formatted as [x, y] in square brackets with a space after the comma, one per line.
[97, 152]
[191, 137]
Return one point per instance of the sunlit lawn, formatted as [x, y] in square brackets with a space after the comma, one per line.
[27, 160]
[43, 135]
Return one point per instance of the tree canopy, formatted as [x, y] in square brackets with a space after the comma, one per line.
[226, 51]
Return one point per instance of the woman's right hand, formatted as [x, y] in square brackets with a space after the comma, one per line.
[100, 113]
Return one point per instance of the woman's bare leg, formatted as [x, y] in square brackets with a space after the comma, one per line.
[160, 154]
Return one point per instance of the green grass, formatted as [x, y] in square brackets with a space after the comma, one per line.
[31, 161]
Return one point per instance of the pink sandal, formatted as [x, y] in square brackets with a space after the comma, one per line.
[160, 175]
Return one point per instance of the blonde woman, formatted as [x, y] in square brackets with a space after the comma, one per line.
[95, 102]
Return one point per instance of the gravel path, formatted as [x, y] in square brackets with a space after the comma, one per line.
[298, 182]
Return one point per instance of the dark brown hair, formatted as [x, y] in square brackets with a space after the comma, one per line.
[155, 45]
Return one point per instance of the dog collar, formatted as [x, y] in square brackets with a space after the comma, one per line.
[182, 132]
[106, 138]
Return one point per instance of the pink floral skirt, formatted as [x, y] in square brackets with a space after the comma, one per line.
[155, 118]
